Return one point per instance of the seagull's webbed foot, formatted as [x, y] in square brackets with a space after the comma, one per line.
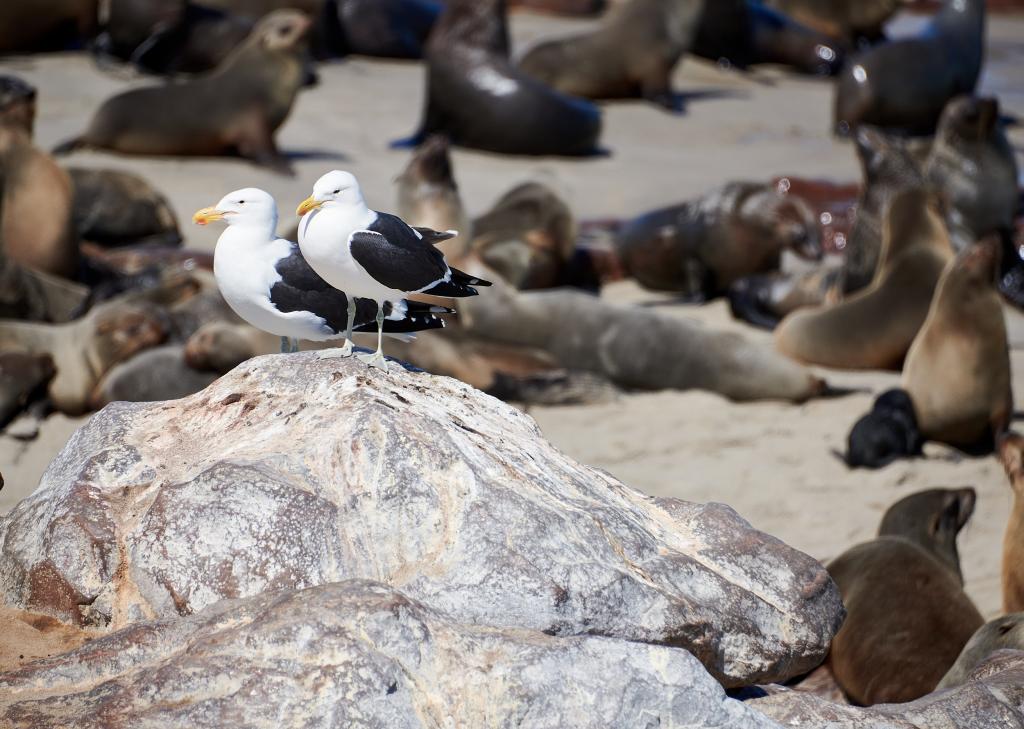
[377, 359]
[344, 350]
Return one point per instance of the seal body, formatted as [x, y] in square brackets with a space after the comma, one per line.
[874, 328]
[907, 82]
[428, 196]
[1005, 632]
[886, 433]
[17, 104]
[113, 208]
[972, 162]
[849, 20]
[479, 99]
[234, 110]
[631, 55]
[385, 28]
[907, 614]
[46, 25]
[1011, 453]
[958, 369]
[700, 248]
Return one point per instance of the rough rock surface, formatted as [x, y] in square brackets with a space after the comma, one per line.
[358, 654]
[993, 698]
[291, 471]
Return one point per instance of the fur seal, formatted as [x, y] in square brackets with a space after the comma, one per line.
[23, 378]
[1011, 453]
[885, 434]
[161, 373]
[428, 196]
[384, 28]
[958, 369]
[906, 83]
[1006, 631]
[907, 616]
[528, 237]
[701, 247]
[874, 328]
[46, 25]
[35, 207]
[972, 163]
[17, 104]
[236, 109]
[113, 208]
[631, 55]
[848, 20]
[742, 33]
[31, 295]
[479, 99]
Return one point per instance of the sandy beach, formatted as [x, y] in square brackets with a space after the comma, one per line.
[774, 463]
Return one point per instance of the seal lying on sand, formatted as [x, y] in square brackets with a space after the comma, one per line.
[233, 110]
[874, 328]
[907, 616]
[113, 208]
[958, 369]
[631, 55]
[23, 377]
[161, 373]
[479, 99]
[1004, 632]
[906, 83]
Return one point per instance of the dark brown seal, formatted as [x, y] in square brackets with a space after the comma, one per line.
[17, 104]
[874, 328]
[114, 208]
[234, 110]
[958, 369]
[46, 25]
[1005, 632]
[161, 373]
[701, 247]
[972, 163]
[1011, 453]
[479, 99]
[907, 615]
[906, 83]
[528, 237]
[849, 20]
[384, 28]
[631, 55]
[578, 8]
[23, 378]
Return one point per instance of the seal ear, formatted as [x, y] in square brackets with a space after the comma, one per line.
[1011, 453]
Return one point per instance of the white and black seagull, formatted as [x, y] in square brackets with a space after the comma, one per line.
[268, 283]
[373, 255]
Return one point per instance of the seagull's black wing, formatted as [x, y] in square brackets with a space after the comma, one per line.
[399, 257]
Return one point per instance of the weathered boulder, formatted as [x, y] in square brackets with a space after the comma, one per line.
[292, 471]
[357, 653]
[992, 698]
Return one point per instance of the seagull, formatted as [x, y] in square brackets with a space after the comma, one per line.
[371, 254]
[268, 283]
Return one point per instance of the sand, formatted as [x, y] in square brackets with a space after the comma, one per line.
[774, 463]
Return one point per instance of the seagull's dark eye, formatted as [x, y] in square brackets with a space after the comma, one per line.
[241, 202]
[337, 191]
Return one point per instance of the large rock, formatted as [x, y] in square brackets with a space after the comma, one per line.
[291, 471]
[358, 654]
[993, 698]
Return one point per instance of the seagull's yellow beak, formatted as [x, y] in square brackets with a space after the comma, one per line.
[207, 215]
[306, 205]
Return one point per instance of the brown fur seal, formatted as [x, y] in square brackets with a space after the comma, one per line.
[631, 55]
[23, 378]
[958, 369]
[972, 163]
[233, 110]
[1011, 453]
[907, 616]
[906, 83]
[161, 373]
[1003, 632]
[428, 196]
[113, 208]
[744, 33]
[35, 207]
[528, 237]
[479, 99]
[31, 295]
[874, 328]
[17, 104]
[700, 247]
[849, 20]
[46, 25]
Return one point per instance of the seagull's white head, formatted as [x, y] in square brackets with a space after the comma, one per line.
[249, 207]
[335, 189]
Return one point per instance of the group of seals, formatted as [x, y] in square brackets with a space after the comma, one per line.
[242, 103]
[958, 370]
[699, 248]
[907, 615]
[631, 55]
[906, 83]
[874, 328]
[479, 99]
